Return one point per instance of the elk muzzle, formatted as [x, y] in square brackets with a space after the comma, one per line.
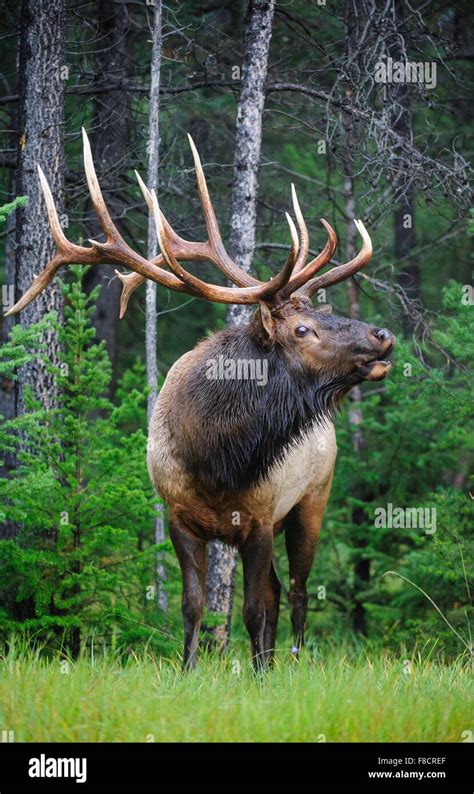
[377, 368]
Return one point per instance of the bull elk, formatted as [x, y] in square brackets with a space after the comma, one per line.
[240, 459]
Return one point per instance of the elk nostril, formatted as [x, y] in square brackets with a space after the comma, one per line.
[381, 334]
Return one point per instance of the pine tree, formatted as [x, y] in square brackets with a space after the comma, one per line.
[82, 563]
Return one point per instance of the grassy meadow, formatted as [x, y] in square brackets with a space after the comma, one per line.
[333, 696]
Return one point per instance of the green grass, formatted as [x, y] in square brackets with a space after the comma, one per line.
[335, 697]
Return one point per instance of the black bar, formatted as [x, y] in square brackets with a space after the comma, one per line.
[219, 768]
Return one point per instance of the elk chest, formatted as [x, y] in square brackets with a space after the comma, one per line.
[305, 467]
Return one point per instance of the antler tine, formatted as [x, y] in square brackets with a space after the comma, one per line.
[97, 198]
[304, 248]
[222, 260]
[312, 267]
[341, 272]
[295, 243]
[164, 242]
[55, 226]
[277, 283]
[66, 252]
[165, 247]
[130, 281]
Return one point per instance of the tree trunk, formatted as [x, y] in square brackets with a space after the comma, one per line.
[41, 118]
[7, 385]
[404, 221]
[247, 146]
[9, 528]
[110, 137]
[359, 515]
[404, 212]
[152, 249]
[404, 226]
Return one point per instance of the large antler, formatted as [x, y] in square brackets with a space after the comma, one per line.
[214, 249]
[301, 281]
[116, 251]
[249, 290]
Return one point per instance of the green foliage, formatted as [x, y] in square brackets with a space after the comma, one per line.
[18, 349]
[84, 554]
[418, 439]
[470, 227]
[7, 209]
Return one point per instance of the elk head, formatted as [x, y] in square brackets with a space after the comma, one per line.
[315, 340]
[310, 337]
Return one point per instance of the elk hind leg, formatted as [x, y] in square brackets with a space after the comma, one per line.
[191, 553]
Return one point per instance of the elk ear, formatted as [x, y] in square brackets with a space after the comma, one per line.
[268, 323]
[326, 309]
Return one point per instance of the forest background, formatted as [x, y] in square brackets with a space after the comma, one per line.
[84, 558]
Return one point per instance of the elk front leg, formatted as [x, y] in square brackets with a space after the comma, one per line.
[302, 527]
[191, 553]
[256, 553]
[272, 609]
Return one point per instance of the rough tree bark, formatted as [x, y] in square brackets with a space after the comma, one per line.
[7, 385]
[152, 248]
[42, 78]
[359, 515]
[404, 212]
[247, 147]
[110, 136]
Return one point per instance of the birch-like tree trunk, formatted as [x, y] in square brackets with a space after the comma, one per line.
[152, 248]
[42, 78]
[247, 147]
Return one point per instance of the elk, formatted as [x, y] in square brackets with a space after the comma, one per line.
[241, 459]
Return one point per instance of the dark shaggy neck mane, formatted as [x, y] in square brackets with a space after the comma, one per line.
[243, 427]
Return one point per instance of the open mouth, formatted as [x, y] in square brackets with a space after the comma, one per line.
[377, 369]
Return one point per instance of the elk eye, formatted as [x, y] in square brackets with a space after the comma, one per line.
[301, 330]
